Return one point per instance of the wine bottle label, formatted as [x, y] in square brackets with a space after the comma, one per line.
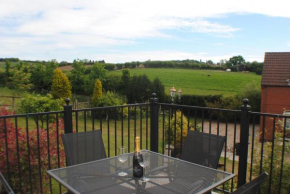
[137, 169]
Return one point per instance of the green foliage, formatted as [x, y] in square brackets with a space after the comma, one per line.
[111, 99]
[97, 92]
[78, 76]
[236, 60]
[37, 160]
[275, 165]
[109, 67]
[8, 73]
[255, 67]
[42, 75]
[252, 92]
[198, 100]
[60, 87]
[97, 71]
[185, 64]
[139, 89]
[2, 76]
[10, 59]
[21, 80]
[119, 66]
[50, 68]
[231, 103]
[113, 83]
[34, 103]
[158, 88]
[176, 131]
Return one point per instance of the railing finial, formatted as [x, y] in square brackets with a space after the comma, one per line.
[67, 101]
[245, 101]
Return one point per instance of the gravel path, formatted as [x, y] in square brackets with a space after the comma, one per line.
[230, 128]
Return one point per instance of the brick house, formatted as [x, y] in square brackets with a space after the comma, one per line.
[275, 88]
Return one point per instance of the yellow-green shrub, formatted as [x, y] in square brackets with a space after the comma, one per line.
[97, 92]
[61, 87]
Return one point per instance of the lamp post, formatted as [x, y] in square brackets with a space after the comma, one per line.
[179, 94]
[172, 93]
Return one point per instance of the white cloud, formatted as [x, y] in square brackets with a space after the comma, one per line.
[42, 26]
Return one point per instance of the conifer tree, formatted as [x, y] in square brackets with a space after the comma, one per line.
[61, 87]
[97, 91]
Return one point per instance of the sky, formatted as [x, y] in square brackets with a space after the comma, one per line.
[133, 30]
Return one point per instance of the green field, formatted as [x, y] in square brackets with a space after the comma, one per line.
[198, 82]
[2, 64]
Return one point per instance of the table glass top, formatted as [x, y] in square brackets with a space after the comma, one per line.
[166, 174]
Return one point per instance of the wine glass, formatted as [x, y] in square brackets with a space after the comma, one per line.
[144, 162]
[123, 157]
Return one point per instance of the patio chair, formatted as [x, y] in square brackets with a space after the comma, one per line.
[83, 147]
[252, 187]
[202, 148]
[86, 147]
[4, 186]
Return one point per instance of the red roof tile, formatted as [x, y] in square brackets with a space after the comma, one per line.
[276, 69]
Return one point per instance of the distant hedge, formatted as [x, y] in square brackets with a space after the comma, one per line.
[195, 100]
[198, 100]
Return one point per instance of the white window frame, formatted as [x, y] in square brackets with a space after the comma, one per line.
[287, 113]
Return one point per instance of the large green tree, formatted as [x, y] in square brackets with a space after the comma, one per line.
[8, 73]
[126, 80]
[159, 89]
[237, 60]
[78, 76]
[21, 79]
[42, 74]
[97, 71]
[139, 89]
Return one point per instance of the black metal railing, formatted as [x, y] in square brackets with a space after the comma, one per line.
[252, 145]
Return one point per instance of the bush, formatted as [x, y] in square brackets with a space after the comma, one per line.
[113, 83]
[109, 67]
[170, 131]
[110, 99]
[97, 92]
[252, 92]
[276, 165]
[231, 103]
[197, 100]
[32, 103]
[60, 87]
[31, 161]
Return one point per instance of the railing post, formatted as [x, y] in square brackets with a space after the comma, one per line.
[67, 116]
[154, 123]
[244, 142]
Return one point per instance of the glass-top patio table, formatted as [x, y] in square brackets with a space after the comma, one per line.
[167, 175]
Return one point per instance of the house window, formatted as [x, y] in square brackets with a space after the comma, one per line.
[287, 113]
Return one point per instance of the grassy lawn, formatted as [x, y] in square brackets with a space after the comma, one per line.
[2, 64]
[8, 101]
[197, 81]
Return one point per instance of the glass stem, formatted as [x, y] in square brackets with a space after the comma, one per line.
[122, 166]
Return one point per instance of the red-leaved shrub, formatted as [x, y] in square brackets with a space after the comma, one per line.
[23, 164]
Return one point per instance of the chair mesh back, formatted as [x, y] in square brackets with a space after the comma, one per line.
[83, 147]
[202, 148]
[253, 186]
[4, 186]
